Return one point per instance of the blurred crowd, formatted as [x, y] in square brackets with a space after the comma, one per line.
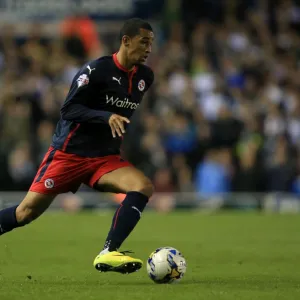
[223, 114]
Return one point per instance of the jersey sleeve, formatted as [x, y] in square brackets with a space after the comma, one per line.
[75, 106]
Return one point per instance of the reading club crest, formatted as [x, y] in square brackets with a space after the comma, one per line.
[49, 183]
[141, 85]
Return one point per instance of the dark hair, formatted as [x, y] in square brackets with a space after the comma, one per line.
[132, 27]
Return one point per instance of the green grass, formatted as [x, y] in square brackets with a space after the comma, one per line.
[229, 256]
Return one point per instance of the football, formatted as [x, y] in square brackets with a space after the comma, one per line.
[166, 265]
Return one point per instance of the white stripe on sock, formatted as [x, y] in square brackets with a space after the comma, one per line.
[137, 210]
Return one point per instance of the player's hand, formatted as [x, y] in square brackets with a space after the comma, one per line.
[116, 123]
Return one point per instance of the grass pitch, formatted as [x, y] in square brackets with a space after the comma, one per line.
[229, 256]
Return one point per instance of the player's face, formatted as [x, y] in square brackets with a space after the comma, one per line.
[140, 46]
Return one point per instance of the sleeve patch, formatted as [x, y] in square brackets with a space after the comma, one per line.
[82, 80]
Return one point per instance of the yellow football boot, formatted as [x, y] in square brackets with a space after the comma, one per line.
[117, 262]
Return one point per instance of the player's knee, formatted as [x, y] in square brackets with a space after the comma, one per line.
[26, 214]
[145, 187]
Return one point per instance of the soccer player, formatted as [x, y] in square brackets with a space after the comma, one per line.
[86, 144]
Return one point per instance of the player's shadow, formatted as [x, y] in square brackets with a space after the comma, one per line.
[110, 283]
[149, 282]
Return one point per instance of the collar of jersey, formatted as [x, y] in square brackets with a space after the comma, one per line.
[117, 63]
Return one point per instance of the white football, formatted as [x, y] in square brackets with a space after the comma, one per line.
[166, 265]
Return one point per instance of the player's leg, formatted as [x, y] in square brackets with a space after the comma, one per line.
[33, 205]
[35, 202]
[138, 189]
[58, 173]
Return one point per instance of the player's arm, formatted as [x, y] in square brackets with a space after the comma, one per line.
[75, 108]
[80, 113]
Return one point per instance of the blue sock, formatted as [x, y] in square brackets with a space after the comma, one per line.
[126, 217]
[8, 220]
